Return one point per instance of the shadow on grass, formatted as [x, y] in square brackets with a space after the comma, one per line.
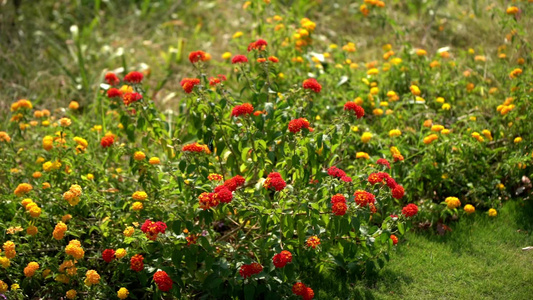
[524, 215]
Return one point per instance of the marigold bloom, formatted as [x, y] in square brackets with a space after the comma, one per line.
[296, 125]
[410, 210]
[239, 59]
[362, 155]
[430, 138]
[312, 84]
[512, 10]
[243, 109]
[281, 259]
[74, 249]
[394, 239]
[137, 263]
[129, 231]
[493, 212]
[59, 231]
[313, 241]
[188, 84]
[353, 106]
[134, 77]
[437, 128]
[139, 155]
[139, 195]
[469, 209]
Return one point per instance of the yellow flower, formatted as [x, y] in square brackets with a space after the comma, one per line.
[71, 294]
[226, 55]
[32, 230]
[154, 161]
[29, 271]
[365, 138]
[377, 112]
[452, 202]
[65, 122]
[493, 212]
[5, 262]
[421, 52]
[139, 155]
[446, 106]
[129, 231]
[500, 186]
[437, 128]
[90, 176]
[139, 196]
[430, 138]
[362, 155]
[123, 293]
[469, 209]
[120, 253]
[512, 10]
[517, 140]
[15, 286]
[73, 105]
[440, 100]
[415, 90]
[91, 277]
[395, 133]
[237, 34]
[3, 287]
[136, 206]
[355, 128]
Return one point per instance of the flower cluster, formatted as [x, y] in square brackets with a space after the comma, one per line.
[251, 269]
[296, 125]
[274, 181]
[243, 109]
[153, 229]
[300, 289]
[281, 259]
[163, 281]
[339, 173]
[338, 205]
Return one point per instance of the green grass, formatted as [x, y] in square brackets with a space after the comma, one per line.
[480, 259]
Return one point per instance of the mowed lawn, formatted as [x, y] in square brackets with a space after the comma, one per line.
[481, 258]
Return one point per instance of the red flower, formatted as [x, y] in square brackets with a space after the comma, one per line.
[410, 210]
[338, 198]
[273, 59]
[394, 239]
[239, 180]
[299, 289]
[391, 183]
[207, 200]
[163, 281]
[129, 98]
[243, 109]
[363, 198]
[111, 78]
[136, 263]
[134, 77]
[358, 110]
[339, 208]
[398, 192]
[372, 208]
[188, 84]
[374, 178]
[297, 124]
[108, 255]
[346, 178]
[152, 229]
[224, 195]
[114, 92]
[107, 141]
[282, 259]
[274, 181]
[309, 294]
[260, 44]
[197, 56]
[213, 81]
[336, 172]
[312, 84]
[249, 270]
[239, 59]
[397, 157]
[383, 162]
[195, 147]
